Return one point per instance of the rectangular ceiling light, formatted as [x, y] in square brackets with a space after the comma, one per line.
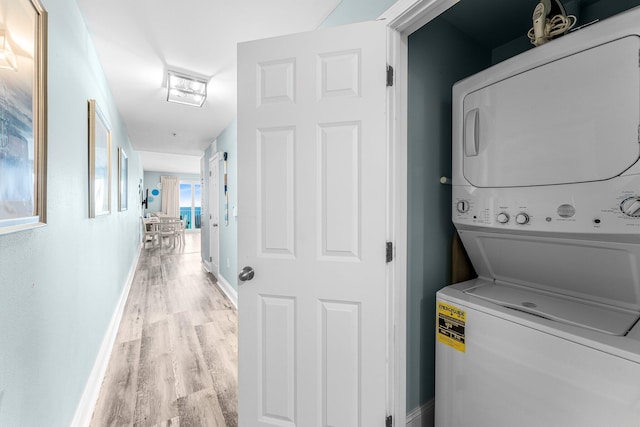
[184, 89]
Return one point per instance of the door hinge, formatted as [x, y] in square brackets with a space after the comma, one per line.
[210, 259]
[389, 75]
[389, 251]
[389, 421]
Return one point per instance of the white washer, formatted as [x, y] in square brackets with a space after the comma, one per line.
[546, 199]
[521, 370]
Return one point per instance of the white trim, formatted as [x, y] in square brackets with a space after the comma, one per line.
[208, 267]
[224, 286]
[403, 18]
[215, 158]
[397, 230]
[407, 16]
[422, 416]
[228, 290]
[89, 398]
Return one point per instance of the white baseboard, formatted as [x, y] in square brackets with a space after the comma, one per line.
[87, 403]
[224, 286]
[228, 290]
[422, 416]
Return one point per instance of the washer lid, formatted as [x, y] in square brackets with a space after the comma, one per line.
[598, 317]
[604, 272]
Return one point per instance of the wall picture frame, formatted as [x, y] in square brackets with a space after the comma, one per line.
[23, 115]
[123, 180]
[99, 162]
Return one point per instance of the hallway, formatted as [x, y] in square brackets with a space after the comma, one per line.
[174, 362]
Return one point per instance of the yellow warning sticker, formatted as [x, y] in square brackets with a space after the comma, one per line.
[451, 323]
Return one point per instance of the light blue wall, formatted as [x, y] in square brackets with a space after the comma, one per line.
[434, 66]
[59, 284]
[227, 142]
[350, 11]
[152, 179]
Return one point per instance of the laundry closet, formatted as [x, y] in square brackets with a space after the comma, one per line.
[468, 38]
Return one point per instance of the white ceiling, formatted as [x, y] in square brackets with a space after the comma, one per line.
[170, 162]
[137, 41]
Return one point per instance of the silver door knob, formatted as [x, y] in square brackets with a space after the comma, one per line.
[246, 273]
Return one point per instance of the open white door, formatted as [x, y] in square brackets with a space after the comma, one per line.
[214, 214]
[312, 171]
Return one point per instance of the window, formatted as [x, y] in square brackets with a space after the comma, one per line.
[190, 203]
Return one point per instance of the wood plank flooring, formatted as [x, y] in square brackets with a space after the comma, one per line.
[175, 360]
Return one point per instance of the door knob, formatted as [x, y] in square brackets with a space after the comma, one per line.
[247, 273]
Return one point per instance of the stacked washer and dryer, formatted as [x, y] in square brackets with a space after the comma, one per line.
[546, 200]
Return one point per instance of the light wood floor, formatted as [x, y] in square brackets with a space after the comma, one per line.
[174, 362]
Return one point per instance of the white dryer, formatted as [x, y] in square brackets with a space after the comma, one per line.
[546, 199]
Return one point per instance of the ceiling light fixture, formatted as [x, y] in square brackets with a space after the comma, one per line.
[184, 89]
[7, 57]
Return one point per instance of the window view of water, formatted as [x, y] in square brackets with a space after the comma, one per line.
[190, 204]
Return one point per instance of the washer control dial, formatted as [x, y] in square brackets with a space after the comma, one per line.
[631, 206]
[462, 206]
[522, 218]
[503, 218]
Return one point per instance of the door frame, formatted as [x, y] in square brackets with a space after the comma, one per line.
[214, 160]
[403, 18]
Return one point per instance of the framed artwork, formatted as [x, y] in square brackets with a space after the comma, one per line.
[123, 180]
[23, 115]
[99, 162]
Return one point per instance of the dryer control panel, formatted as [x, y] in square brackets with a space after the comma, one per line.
[607, 207]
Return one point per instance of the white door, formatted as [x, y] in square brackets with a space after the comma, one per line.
[312, 175]
[214, 214]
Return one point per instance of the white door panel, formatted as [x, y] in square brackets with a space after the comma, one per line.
[312, 147]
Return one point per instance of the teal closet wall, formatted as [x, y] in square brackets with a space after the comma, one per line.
[439, 56]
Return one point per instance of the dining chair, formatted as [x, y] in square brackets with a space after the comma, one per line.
[150, 232]
[180, 230]
[167, 229]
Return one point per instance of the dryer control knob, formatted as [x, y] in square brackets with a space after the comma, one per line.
[503, 218]
[631, 206]
[522, 218]
[462, 206]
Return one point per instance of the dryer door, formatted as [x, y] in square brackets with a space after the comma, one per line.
[571, 120]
